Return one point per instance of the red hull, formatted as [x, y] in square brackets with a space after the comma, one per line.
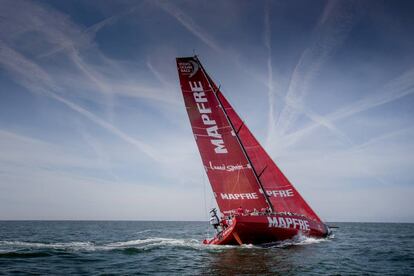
[267, 229]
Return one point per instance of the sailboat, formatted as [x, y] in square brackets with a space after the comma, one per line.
[258, 203]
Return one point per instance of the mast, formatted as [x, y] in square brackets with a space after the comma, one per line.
[237, 137]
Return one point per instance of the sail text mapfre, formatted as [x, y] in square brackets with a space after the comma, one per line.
[294, 223]
[279, 193]
[212, 129]
[239, 196]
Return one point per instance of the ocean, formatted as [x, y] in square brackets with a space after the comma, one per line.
[175, 248]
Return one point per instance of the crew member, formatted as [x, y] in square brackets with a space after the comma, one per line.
[240, 211]
[224, 223]
[214, 220]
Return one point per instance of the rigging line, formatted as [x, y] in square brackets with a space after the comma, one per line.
[237, 136]
[205, 201]
[212, 203]
[204, 195]
[242, 124]
[260, 174]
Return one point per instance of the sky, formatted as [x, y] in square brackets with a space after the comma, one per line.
[93, 124]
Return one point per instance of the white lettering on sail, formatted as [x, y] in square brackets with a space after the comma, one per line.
[212, 131]
[294, 223]
[279, 193]
[219, 146]
[198, 88]
[239, 196]
[228, 168]
[185, 67]
[207, 120]
[200, 97]
[202, 109]
[188, 68]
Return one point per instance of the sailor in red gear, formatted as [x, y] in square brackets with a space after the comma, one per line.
[224, 223]
[240, 211]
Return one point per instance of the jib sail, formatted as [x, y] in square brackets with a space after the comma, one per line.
[282, 194]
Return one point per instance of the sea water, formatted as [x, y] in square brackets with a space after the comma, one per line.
[175, 248]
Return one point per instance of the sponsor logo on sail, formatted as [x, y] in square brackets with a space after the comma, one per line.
[283, 222]
[205, 111]
[239, 196]
[278, 193]
[227, 168]
[188, 68]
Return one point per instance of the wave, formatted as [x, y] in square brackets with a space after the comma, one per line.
[39, 245]
[143, 244]
[19, 248]
[298, 240]
[155, 242]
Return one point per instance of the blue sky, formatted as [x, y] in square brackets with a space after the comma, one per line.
[93, 126]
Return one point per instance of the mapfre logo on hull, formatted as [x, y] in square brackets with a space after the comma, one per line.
[188, 68]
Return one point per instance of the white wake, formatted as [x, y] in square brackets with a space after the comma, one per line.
[148, 244]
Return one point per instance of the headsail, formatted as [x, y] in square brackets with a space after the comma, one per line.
[282, 194]
[230, 173]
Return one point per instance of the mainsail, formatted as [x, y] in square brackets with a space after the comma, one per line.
[240, 171]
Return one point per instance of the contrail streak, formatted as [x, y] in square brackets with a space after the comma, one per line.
[334, 26]
[35, 79]
[188, 23]
[114, 130]
[270, 94]
[88, 33]
[395, 89]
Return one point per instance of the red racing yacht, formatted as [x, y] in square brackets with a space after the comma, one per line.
[258, 203]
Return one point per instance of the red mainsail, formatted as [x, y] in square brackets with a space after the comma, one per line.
[240, 171]
[228, 169]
